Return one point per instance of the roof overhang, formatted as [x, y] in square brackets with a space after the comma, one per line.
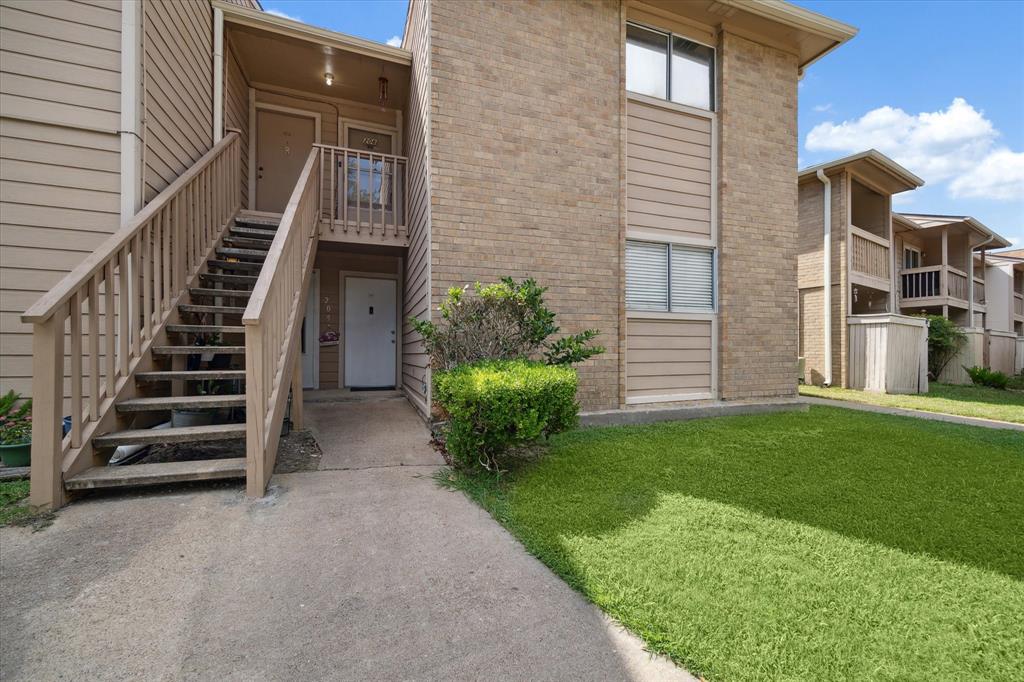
[874, 166]
[806, 34]
[245, 16]
[985, 237]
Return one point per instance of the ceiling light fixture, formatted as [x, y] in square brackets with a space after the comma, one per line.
[329, 79]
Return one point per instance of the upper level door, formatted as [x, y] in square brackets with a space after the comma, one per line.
[283, 142]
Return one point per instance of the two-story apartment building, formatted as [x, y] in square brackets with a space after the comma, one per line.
[294, 195]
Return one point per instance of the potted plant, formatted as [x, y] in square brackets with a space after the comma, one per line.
[15, 430]
[203, 341]
[202, 416]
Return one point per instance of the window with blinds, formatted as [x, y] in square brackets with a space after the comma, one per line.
[669, 278]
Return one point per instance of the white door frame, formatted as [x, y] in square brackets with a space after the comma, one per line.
[345, 123]
[342, 274]
[254, 108]
[313, 326]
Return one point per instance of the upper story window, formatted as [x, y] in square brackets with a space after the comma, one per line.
[669, 67]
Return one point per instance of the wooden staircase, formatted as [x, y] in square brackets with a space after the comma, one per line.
[213, 312]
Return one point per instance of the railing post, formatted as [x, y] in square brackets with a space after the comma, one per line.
[47, 490]
[297, 407]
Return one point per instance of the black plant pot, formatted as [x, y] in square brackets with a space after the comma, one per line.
[221, 361]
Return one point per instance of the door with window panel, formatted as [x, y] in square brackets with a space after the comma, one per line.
[368, 184]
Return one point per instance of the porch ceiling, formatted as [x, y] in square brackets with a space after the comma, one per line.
[982, 236]
[288, 61]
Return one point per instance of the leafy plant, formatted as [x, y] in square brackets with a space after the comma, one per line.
[15, 419]
[983, 376]
[496, 405]
[501, 321]
[945, 340]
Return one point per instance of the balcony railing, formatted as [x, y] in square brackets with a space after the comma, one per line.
[365, 194]
[926, 282]
[979, 290]
[1018, 305]
[869, 254]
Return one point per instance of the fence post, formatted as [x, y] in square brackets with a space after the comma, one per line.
[47, 489]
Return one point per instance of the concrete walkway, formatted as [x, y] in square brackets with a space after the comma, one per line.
[919, 414]
[363, 570]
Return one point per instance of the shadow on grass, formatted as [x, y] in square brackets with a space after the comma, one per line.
[948, 491]
[976, 394]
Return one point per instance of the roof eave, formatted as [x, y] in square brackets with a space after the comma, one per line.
[800, 19]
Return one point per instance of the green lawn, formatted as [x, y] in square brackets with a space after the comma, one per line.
[966, 401]
[825, 545]
[12, 507]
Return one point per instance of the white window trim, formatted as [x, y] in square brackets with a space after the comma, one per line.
[713, 83]
[344, 124]
[920, 255]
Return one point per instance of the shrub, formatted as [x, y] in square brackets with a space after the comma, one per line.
[496, 405]
[1016, 382]
[945, 340]
[501, 321]
[983, 376]
[15, 419]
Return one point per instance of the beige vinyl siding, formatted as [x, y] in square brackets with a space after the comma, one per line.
[416, 298]
[236, 111]
[59, 154]
[178, 102]
[668, 172]
[668, 358]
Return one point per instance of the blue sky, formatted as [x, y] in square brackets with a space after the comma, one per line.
[939, 86]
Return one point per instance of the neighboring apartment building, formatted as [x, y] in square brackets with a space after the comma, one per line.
[636, 158]
[845, 258]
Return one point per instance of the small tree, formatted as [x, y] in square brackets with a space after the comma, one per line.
[945, 340]
[507, 320]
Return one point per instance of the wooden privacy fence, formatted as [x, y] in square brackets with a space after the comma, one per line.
[273, 322]
[1001, 351]
[107, 312]
[888, 353]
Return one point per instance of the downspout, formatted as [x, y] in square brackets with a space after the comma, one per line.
[827, 276]
[218, 75]
[130, 132]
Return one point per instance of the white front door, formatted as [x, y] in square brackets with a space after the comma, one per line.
[370, 332]
[311, 335]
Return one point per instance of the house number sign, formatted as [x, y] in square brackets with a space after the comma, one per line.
[370, 142]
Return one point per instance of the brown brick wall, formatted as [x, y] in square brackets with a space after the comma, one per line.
[757, 219]
[809, 277]
[525, 153]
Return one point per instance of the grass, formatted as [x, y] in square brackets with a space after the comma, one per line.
[831, 544]
[12, 507]
[965, 401]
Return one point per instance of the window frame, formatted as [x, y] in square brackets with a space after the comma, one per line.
[669, 310]
[912, 249]
[669, 35]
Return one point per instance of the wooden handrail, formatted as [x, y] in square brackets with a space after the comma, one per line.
[382, 212]
[273, 323]
[864, 234]
[120, 299]
[926, 268]
[94, 262]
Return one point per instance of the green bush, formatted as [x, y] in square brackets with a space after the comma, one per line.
[945, 340]
[501, 321]
[983, 376]
[494, 406]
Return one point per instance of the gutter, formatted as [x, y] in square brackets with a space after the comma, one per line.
[827, 273]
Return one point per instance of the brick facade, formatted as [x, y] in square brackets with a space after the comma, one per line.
[526, 161]
[757, 220]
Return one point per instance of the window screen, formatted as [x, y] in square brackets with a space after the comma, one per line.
[646, 276]
[664, 278]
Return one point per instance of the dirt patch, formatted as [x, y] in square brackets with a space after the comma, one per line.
[298, 451]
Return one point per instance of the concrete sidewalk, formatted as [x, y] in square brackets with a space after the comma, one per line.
[919, 414]
[367, 570]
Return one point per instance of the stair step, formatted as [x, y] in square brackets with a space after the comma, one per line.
[205, 328]
[247, 242]
[257, 221]
[181, 402]
[252, 254]
[215, 309]
[223, 293]
[180, 434]
[229, 279]
[234, 265]
[155, 474]
[255, 233]
[196, 350]
[193, 375]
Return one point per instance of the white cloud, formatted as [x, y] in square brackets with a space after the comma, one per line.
[823, 107]
[956, 144]
[283, 15]
[395, 41]
[1000, 175]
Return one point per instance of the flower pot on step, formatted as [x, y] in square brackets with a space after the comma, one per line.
[17, 455]
[180, 418]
